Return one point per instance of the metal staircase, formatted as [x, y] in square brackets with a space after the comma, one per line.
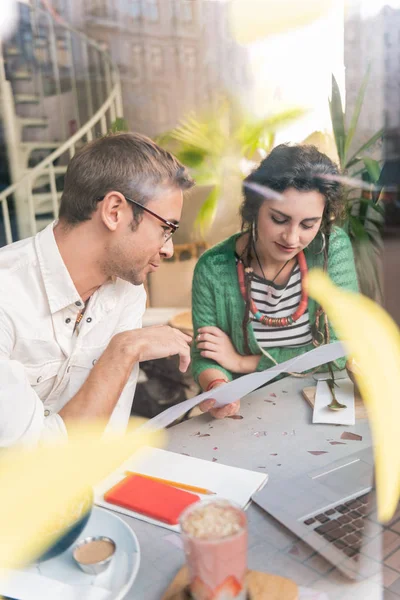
[59, 89]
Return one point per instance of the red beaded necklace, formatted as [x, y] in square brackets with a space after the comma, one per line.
[272, 321]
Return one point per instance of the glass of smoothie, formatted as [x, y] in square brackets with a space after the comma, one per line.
[215, 541]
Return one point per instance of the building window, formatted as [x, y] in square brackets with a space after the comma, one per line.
[134, 9]
[161, 109]
[186, 11]
[136, 68]
[189, 58]
[156, 60]
[99, 9]
[151, 10]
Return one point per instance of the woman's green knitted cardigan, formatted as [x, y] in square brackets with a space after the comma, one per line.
[217, 301]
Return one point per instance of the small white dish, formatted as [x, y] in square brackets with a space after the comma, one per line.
[93, 564]
[61, 577]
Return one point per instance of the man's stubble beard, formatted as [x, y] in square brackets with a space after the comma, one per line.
[112, 269]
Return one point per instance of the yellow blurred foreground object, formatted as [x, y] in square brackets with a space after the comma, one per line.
[252, 20]
[41, 486]
[373, 340]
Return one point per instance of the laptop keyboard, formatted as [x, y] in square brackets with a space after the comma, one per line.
[343, 525]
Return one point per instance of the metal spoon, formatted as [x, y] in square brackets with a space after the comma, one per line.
[334, 405]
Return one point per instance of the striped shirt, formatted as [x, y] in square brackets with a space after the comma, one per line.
[282, 303]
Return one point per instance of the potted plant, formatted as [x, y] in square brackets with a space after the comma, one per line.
[220, 148]
[363, 210]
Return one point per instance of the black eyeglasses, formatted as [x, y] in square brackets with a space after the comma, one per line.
[173, 227]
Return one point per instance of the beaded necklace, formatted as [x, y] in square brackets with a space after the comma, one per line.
[80, 316]
[273, 321]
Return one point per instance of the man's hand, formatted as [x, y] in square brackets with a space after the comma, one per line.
[216, 345]
[158, 341]
[219, 413]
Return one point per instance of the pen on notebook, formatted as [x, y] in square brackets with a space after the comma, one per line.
[183, 486]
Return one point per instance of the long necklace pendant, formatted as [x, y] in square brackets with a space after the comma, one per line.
[269, 292]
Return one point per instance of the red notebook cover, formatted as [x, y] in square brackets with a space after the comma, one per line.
[151, 498]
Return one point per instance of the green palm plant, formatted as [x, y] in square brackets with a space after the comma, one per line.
[119, 125]
[220, 148]
[363, 210]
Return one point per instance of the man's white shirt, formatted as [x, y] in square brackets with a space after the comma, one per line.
[43, 362]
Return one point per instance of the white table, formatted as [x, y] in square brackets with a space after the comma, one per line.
[280, 410]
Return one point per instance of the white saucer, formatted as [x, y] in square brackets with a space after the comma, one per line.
[61, 577]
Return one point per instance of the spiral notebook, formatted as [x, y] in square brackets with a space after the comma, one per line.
[231, 483]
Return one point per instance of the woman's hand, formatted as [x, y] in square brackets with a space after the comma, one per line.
[219, 413]
[216, 345]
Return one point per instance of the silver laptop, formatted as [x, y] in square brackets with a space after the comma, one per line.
[333, 510]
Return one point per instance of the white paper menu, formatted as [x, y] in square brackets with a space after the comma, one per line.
[234, 390]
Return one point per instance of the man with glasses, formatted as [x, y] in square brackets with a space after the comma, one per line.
[72, 297]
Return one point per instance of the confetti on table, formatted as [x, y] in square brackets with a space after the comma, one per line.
[235, 417]
[260, 433]
[273, 395]
[317, 452]
[284, 392]
[216, 448]
[274, 454]
[214, 459]
[348, 435]
[194, 434]
[261, 467]
[205, 435]
[284, 432]
[337, 443]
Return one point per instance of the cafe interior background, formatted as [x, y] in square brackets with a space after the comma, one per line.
[187, 70]
[173, 69]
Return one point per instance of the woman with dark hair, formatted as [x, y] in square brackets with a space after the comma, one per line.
[249, 302]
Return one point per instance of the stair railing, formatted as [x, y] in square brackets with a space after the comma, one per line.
[21, 193]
